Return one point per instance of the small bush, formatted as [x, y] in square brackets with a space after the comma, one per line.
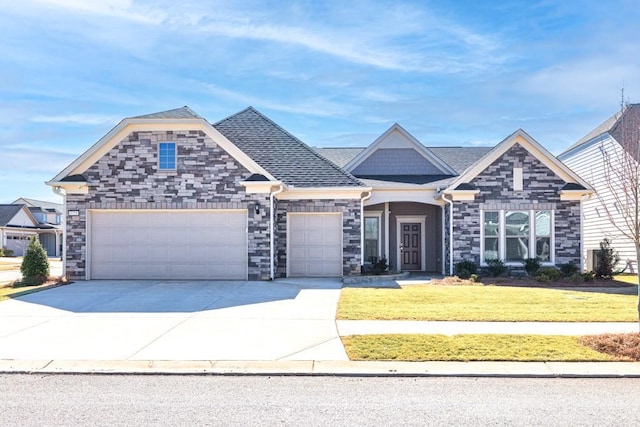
[379, 265]
[548, 274]
[588, 276]
[474, 278]
[531, 266]
[496, 267]
[6, 252]
[465, 269]
[607, 260]
[35, 265]
[568, 269]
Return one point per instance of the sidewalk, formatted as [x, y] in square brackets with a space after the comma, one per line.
[328, 368]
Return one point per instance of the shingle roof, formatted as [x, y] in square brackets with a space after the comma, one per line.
[177, 113]
[7, 212]
[458, 158]
[50, 206]
[280, 153]
[622, 126]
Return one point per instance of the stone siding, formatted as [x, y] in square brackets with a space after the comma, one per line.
[350, 230]
[206, 177]
[541, 191]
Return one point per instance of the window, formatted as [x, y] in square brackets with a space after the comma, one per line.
[516, 235]
[167, 156]
[371, 237]
[517, 179]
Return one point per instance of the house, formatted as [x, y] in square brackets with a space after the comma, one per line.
[171, 196]
[25, 218]
[594, 157]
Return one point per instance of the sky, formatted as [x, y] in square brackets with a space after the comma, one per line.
[333, 73]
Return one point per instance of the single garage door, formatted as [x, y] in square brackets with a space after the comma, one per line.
[314, 245]
[177, 244]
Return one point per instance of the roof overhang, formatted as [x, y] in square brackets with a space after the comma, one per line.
[256, 187]
[323, 193]
[462, 195]
[575, 194]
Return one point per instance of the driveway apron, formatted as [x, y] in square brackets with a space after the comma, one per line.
[168, 320]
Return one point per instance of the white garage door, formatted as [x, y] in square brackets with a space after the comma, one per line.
[314, 245]
[180, 244]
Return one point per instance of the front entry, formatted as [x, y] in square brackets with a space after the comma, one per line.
[411, 246]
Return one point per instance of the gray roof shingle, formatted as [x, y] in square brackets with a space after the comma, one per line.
[177, 113]
[7, 212]
[283, 155]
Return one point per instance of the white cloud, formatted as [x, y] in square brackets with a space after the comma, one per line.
[81, 119]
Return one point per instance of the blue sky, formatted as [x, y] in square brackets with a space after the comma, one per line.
[332, 73]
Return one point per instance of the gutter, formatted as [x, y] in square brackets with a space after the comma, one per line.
[272, 273]
[362, 200]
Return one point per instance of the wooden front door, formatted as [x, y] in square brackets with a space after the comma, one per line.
[410, 246]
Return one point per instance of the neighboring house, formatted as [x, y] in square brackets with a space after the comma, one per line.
[586, 157]
[171, 196]
[24, 218]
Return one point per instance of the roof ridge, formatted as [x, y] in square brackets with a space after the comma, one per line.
[157, 113]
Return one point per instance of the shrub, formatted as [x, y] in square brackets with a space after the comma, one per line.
[35, 265]
[607, 259]
[531, 266]
[379, 265]
[6, 252]
[588, 276]
[465, 269]
[568, 269]
[496, 267]
[474, 278]
[548, 274]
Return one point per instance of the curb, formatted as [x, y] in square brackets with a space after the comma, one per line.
[326, 368]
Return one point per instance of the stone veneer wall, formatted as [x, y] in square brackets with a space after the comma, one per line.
[207, 177]
[541, 190]
[350, 230]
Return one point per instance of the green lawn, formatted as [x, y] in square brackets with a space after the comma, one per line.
[631, 279]
[522, 348]
[10, 292]
[485, 303]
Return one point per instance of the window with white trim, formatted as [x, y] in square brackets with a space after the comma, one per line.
[167, 156]
[372, 236]
[515, 235]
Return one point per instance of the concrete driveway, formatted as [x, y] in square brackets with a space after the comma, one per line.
[168, 320]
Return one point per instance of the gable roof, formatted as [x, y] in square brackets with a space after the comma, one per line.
[178, 119]
[7, 212]
[413, 143]
[280, 153]
[622, 126]
[532, 146]
[33, 203]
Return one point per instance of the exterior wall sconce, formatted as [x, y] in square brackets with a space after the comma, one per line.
[256, 207]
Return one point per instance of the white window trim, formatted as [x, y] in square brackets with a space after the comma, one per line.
[401, 219]
[175, 156]
[517, 179]
[532, 235]
[376, 214]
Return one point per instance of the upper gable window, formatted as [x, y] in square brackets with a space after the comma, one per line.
[167, 156]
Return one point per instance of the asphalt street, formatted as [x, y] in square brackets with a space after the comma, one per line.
[108, 400]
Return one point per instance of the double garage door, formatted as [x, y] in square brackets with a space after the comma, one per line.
[176, 244]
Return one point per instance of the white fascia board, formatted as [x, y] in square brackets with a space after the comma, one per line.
[459, 195]
[126, 126]
[531, 145]
[418, 195]
[574, 194]
[70, 187]
[323, 193]
[260, 186]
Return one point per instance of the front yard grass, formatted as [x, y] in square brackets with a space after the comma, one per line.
[471, 347]
[485, 303]
[8, 292]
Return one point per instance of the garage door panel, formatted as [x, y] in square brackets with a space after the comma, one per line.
[168, 245]
[315, 244]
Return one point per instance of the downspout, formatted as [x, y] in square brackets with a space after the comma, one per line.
[364, 199]
[272, 273]
[444, 197]
[63, 217]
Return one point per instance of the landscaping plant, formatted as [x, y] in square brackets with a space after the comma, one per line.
[465, 269]
[35, 264]
[496, 267]
[607, 260]
[531, 266]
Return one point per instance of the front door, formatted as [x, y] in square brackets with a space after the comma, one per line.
[410, 247]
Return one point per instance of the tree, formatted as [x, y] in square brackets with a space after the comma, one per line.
[622, 178]
[607, 260]
[35, 264]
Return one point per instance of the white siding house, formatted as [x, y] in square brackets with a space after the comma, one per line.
[587, 158]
